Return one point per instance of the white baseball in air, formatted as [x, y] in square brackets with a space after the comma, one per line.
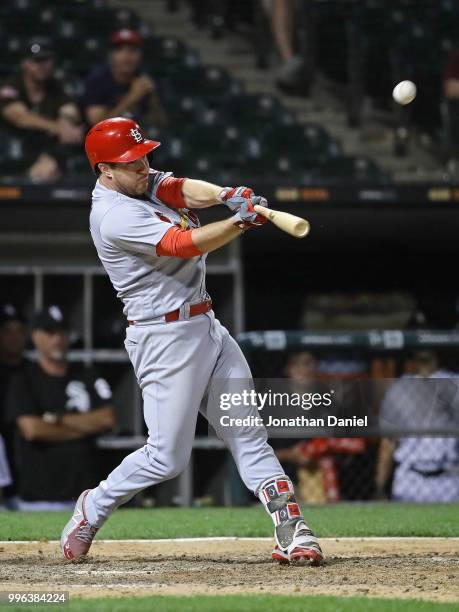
[404, 92]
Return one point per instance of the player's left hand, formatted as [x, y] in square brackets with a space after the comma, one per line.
[228, 195]
[246, 214]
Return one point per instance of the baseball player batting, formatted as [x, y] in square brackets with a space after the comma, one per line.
[153, 248]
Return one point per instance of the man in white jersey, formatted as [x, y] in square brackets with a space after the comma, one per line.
[152, 246]
[426, 466]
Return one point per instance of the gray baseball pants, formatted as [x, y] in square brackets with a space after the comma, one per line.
[174, 364]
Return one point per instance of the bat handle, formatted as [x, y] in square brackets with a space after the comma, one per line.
[262, 210]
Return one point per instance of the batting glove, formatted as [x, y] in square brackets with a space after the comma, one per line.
[229, 193]
[247, 216]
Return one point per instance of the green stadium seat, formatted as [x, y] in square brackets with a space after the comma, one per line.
[168, 57]
[228, 145]
[352, 169]
[277, 167]
[184, 111]
[309, 144]
[212, 85]
[255, 112]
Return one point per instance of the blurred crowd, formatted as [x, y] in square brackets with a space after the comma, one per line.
[50, 124]
[45, 116]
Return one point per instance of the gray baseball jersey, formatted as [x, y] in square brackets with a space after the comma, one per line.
[125, 231]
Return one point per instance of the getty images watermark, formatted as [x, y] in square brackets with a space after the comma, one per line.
[335, 408]
[269, 400]
[283, 408]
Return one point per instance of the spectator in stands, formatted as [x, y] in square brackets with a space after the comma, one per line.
[58, 408]
[316, 459]
[35, 109]
[282, 17]
[426, 467]
[13, 338]
[121, 87]
[451, 91]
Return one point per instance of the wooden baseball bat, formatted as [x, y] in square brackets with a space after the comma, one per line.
[295, 226]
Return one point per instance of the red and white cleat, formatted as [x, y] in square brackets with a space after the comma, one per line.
[280, 556]
[302, 555]
[304, 549]
[298, 556]
[78, 534]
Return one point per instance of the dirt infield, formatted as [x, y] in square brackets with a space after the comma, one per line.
[421, 568]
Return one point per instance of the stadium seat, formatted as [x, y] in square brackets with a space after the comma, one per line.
[352, 169]
[227, 145]
[168, 57]
[213, 85]
[183, 111]
[309, 144]
[279, 168]
[254, 112]
[11, 49]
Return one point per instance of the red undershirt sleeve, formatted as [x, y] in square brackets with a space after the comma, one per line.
[170, 192]
[177, 243]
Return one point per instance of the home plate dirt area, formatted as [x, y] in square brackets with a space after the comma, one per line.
[420, 568]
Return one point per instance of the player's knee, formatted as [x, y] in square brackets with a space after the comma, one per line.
[177, 463]
[169, 462]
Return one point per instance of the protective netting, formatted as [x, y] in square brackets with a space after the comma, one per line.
[410, 388]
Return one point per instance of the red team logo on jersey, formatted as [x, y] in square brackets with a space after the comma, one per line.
[162, 217]
[187, 218]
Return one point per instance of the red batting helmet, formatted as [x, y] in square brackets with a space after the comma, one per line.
[116, 140]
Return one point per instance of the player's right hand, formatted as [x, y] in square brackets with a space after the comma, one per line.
[247, 215]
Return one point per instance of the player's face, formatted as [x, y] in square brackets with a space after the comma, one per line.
[126, 59]
[13, 339]
[52, 345]
[131, 178]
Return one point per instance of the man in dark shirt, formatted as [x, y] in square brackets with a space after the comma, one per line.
[35, 109]
[58, 408]
[120, 87]
[13, 338]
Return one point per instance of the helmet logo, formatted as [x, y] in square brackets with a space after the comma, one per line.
[136, 135]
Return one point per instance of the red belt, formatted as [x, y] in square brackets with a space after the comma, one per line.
[195, 309]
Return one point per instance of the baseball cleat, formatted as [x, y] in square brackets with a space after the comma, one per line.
[303, 550]
[299, 556]
[280, 556]
[78, 534]
[311, 555]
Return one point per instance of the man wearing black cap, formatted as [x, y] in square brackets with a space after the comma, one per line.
[35, 108]
[13, 338]
[58, 408]
[120, 88]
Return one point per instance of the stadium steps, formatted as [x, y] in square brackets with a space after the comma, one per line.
[235, 55]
